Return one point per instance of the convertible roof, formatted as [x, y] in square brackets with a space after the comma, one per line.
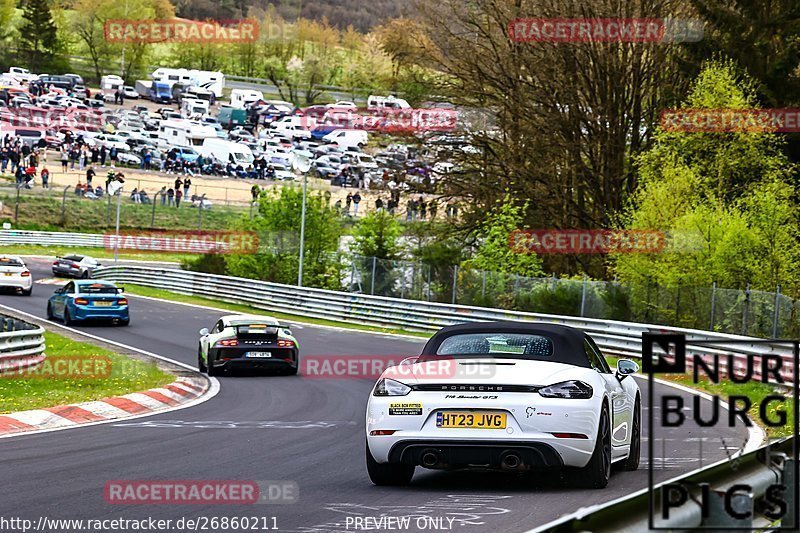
[567, 341]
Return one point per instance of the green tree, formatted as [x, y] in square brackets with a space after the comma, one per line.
[376, 248]
[725, 198]
[38, 34]
[494, 252]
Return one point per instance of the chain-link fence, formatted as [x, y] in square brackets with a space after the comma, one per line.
[741, 312]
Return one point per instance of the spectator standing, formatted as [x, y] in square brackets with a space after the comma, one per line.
[255, 190]
[348, 201]
[148, 157]
[187, 183]
[178, 196]
[432, 207]
[95, 155]
[103, 155]
[356, 201]
[379, 205]
[90, 173]
[64, 158]
[163, 193]
[178, 184]
[423, 208]
[112, 154]
[45, 178]
[171, 196]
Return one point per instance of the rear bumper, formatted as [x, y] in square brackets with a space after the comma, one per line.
[533, 455]
[235, 358]
[58, 271]
[13, 282]
[81, 312]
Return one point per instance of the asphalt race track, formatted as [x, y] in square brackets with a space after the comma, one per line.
[289, 428]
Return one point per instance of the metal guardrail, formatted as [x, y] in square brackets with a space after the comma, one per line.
[615, 338]
[754, 473]
[22, 345]
[47, 238]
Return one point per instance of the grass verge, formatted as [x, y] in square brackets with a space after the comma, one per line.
[97, 253]
[240, 308]
[77, 372]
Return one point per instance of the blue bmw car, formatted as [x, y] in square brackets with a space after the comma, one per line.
[89, 300]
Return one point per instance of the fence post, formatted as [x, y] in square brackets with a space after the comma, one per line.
[554, 282]
[713, 304]
[777, 312]
[745, 309]
[16, 206]
[516, 284]
[372, 280]
[153, 216]
[251, 210]
[200, 215]
[402, 280]
[455, 282]
[352, 273]
[583, 296]
[483, 285]
[64, 208]
[429, 283]
[108, 206]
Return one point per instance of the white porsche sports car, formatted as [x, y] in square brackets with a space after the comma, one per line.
[511, 396]
[247, 341]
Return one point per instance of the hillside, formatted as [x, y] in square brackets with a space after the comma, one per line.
[340, 13]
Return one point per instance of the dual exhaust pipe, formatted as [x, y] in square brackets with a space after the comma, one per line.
[509, 460]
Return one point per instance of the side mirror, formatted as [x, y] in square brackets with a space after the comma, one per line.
[120, 289]
[204, 332]
[625, 367]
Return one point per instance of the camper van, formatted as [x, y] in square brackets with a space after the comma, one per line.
[347, 138]
[109, 85]
[241, 98]
[184, 133]
[213, 81]
[191, 108]
[376, 103]
[226, 151]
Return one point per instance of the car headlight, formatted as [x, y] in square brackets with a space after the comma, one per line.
[568, 389]
[390, 387]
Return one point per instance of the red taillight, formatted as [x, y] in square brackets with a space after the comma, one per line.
[569, 435]
[55, 263]
[123, 301]
[26, 274]
[81, 301]
[226, 343]
[285, 344]
[379, 432]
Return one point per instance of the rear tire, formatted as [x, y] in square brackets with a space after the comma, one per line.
[388, 474]
[125, 322]
[201, 365]
[596, 474]
[632, 462]
[49, 311]
[85, 274]
[28, 292]
[210, 368]
[67, 319]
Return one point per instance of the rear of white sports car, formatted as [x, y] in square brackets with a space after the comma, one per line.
[496, 418]
[507, 396]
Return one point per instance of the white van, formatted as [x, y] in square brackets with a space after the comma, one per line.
[224, 151]
[386, 102]
[347, 138]
[241, 98]
[291, 129]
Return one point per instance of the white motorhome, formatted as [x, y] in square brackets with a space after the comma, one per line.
[179, 132]
[192, 107]
[241, 98]
[386, 102]
[21, 74]
[109, 85]
[225, 151]
[213, 81]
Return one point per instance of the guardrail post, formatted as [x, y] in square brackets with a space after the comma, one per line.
[745, 309]
[790, 483]
[455, 282]
[777, 312]
[583, 296]
[718, 516]
[713, 304]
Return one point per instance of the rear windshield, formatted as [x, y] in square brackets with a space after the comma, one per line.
[97, 288]
[513, 344]
[8, 261]
[76, 258]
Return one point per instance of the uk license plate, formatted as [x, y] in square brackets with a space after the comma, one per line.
[103, 304]
[258, 354]
[9, 273]
[470, 420]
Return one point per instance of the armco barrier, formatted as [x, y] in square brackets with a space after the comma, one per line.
[21, 345]
[46, 238]
[615, 338]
